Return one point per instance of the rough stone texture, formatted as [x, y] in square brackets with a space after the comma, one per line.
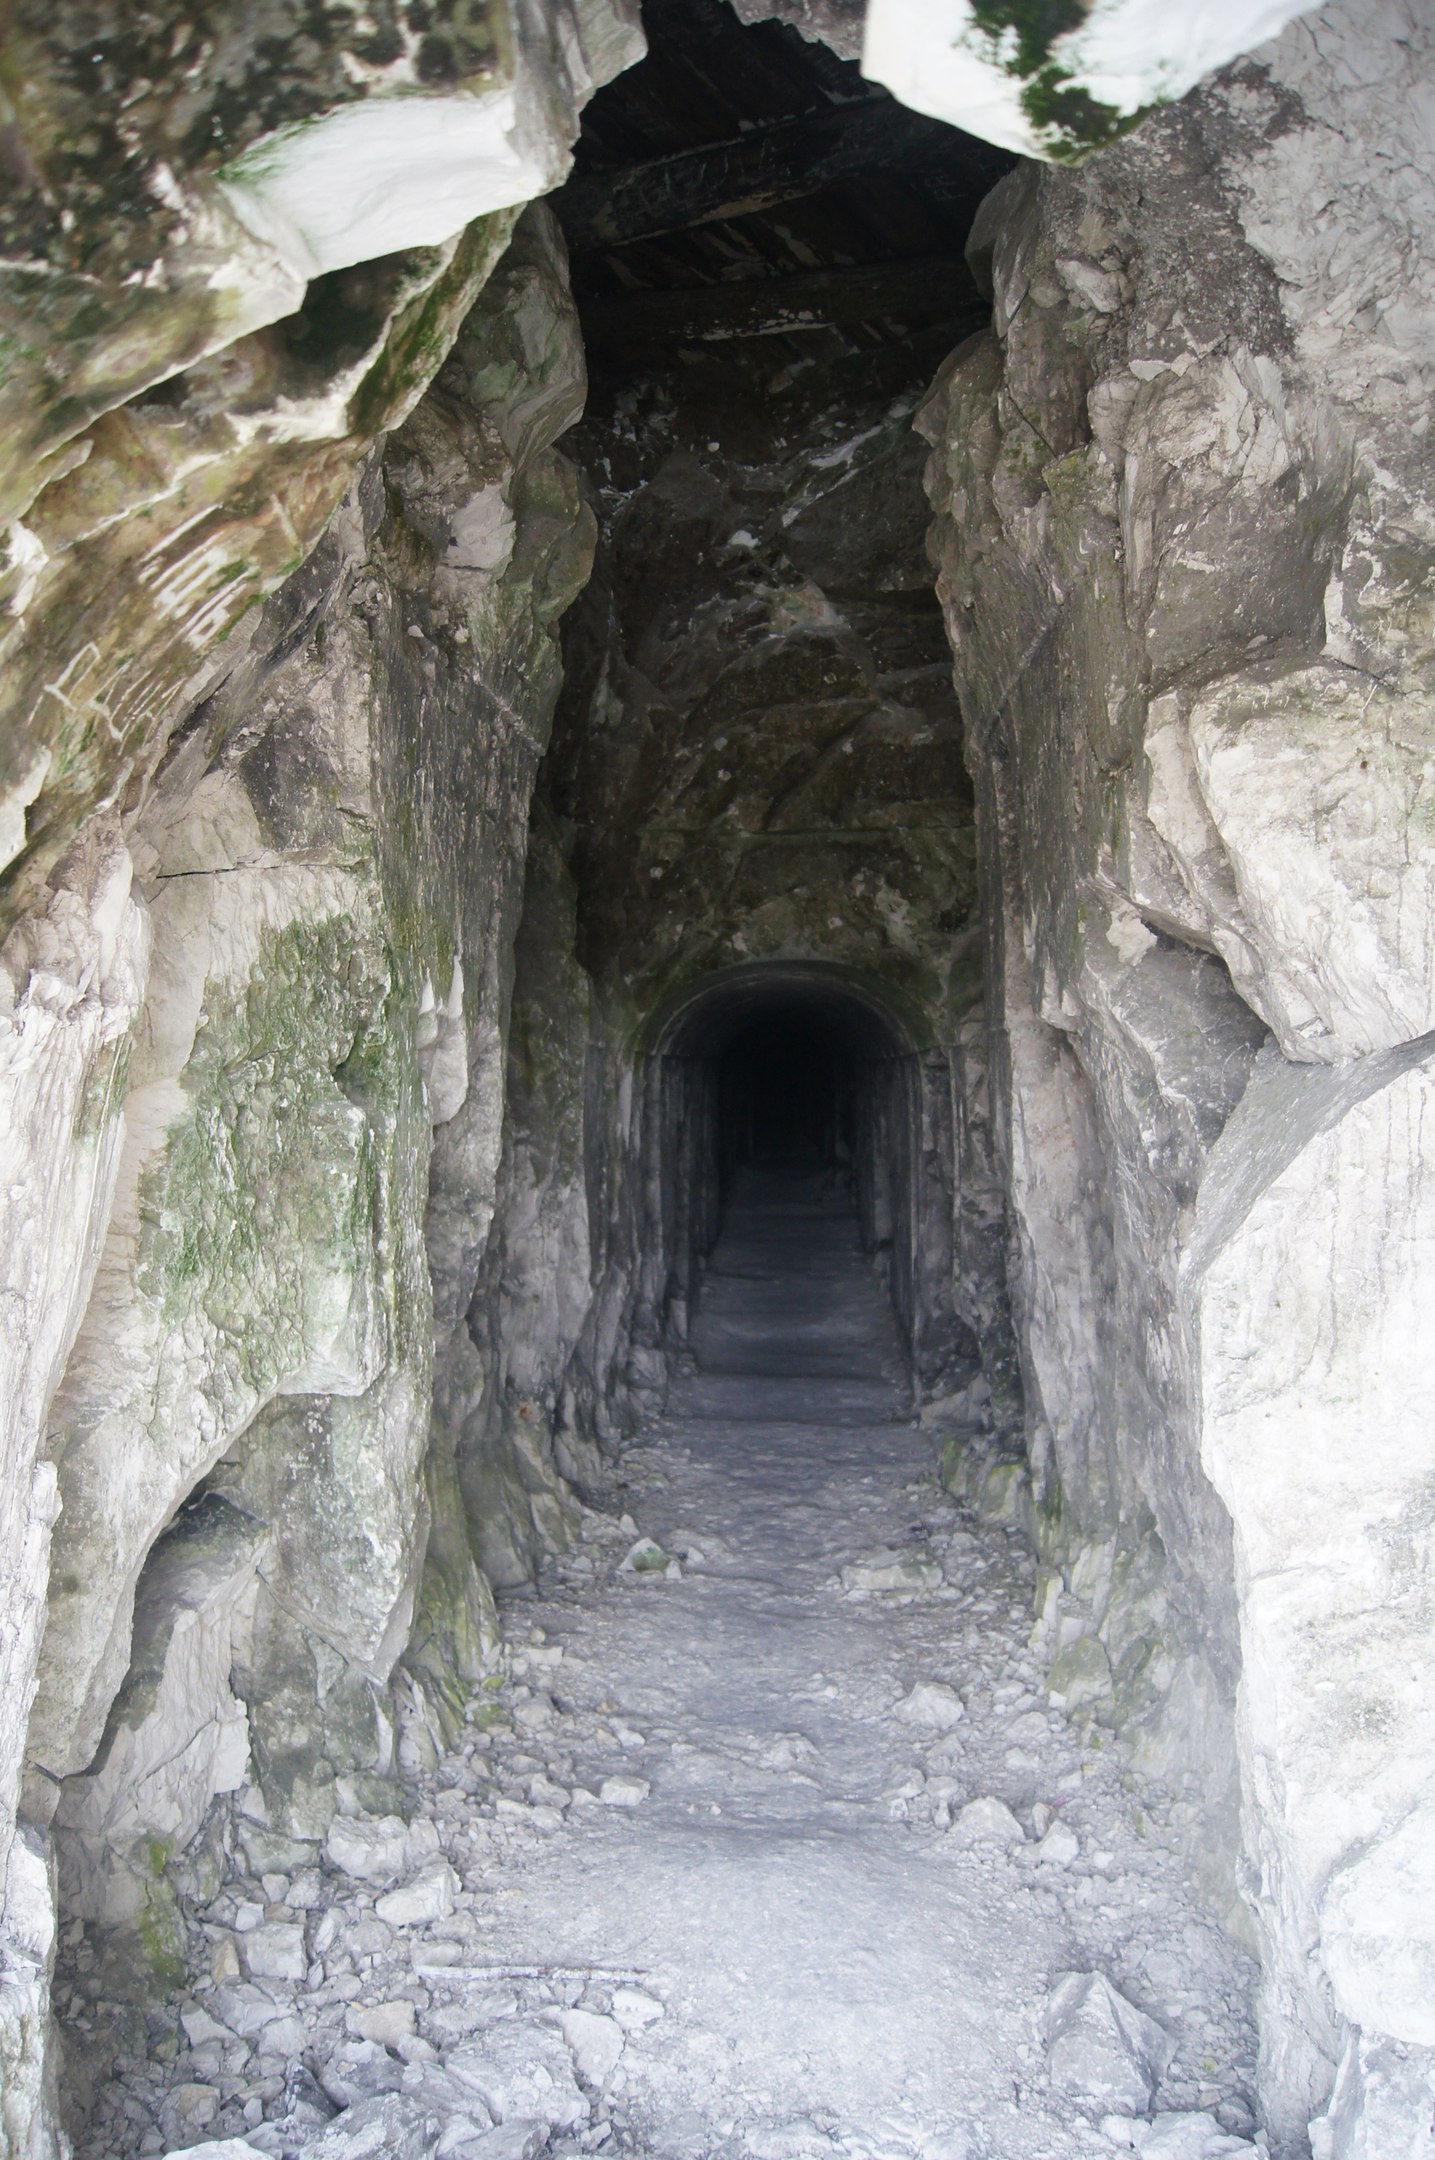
[836, 23]
[173, 185]
[71, 981]
[514, 1431]
[181, 415]
[1100, 2048]
[176, 1734]
[181, 419]
[1315, 1232]
[385, 1231]
[72, 978]
[1183, 536]
[331, 864]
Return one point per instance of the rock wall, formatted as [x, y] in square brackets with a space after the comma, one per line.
[233, 256]
[233, 993]
[336, 1227]
[1183, 531]
[260, 1026]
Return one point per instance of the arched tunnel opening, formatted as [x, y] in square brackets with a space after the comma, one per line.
[790, 1102]
[716, 1013]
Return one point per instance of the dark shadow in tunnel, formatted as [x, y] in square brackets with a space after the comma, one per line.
[785, 1096]
[792, 1090]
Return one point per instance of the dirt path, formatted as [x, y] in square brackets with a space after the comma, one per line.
[842, 1960]
[773, 1845]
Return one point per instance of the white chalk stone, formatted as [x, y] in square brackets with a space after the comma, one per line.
[523, 2073]
[624, 1790]
[886, 1569]
[386, 2023]
[220, 2149]
[1060, 1846]
[391, 2126]
[507, 2141]
[371, 1848]
[1100, 2049]
[429, 1895]
[597, 2043]
[987, 1821]
[1189, 2137]
[275, 1951]
[932, 1705]
[635, 2010]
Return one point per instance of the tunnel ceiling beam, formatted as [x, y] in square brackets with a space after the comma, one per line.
[936, 290]
[758, 170]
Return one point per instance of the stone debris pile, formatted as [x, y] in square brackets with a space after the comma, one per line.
[639, 1906]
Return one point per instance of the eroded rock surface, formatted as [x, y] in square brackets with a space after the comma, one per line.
[1179, 498]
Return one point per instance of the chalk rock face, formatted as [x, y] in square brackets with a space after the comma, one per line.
[176, 1734]
[1184, 515]
[328, 989]
[72, 978]
[234, 254]
[1382, 2106]
[1315, 1230]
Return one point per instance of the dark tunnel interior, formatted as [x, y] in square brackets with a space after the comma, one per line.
[798, 1074]
[786, 1096]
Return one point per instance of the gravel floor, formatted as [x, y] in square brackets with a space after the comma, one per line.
[772, 1845]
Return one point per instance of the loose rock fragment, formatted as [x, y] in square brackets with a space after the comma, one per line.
[888, 1569]
[933, 1705]
[646, 1557]
[428, 1895]
[373, 1849]
[634, 2010]
[388, 2023]
[1175, 2137]
[1100, 2048]
[597, 2043]
[522, 2073]
[987, 1822]
[220, 2149]
[506, 2141]
[390, 2127]
[188, 2109]
[1060, 1846]
[276, 1952]
[623, 1790]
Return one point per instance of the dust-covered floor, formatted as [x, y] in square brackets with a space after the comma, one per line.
[773, 1845]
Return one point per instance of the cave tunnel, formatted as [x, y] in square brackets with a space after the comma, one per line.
[716, 1015]
[790, 1096]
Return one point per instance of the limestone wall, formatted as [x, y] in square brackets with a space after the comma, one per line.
[1183, 532]
[260, 1031]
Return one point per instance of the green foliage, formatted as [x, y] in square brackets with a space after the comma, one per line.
[1026, 31]
[1036, 25]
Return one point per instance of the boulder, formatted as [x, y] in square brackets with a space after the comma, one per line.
[428, 1895]
[1101, 2051]
[933, 1706]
